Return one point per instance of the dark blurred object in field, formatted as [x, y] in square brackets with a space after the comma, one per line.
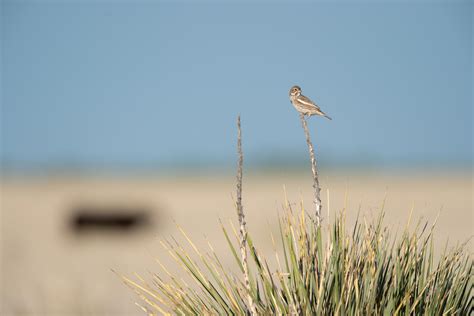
[86, 219]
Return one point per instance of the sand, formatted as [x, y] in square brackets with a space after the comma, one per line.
[49, 269]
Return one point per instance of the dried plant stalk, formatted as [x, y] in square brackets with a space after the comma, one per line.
[316, 188]
[240, 213]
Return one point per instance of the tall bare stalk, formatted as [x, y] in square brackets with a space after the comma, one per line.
[316, 188]
[240, 213]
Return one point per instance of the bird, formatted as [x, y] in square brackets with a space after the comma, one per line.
[304, 105]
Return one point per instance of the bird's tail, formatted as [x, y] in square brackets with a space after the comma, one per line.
[327, 116]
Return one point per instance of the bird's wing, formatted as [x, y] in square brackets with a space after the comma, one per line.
[307, 103]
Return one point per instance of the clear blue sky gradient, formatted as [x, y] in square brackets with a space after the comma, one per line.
[160, 84]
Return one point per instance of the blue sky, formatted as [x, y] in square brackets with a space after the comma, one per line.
[104, 84]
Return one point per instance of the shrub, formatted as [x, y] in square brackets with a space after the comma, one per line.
[321, 270]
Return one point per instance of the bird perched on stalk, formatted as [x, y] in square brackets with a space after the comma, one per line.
[303, 104]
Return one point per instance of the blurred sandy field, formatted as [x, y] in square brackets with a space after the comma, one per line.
[47, 269]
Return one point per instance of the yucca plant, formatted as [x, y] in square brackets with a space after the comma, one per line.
[320, 270]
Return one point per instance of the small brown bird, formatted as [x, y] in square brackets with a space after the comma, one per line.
[303, 104]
